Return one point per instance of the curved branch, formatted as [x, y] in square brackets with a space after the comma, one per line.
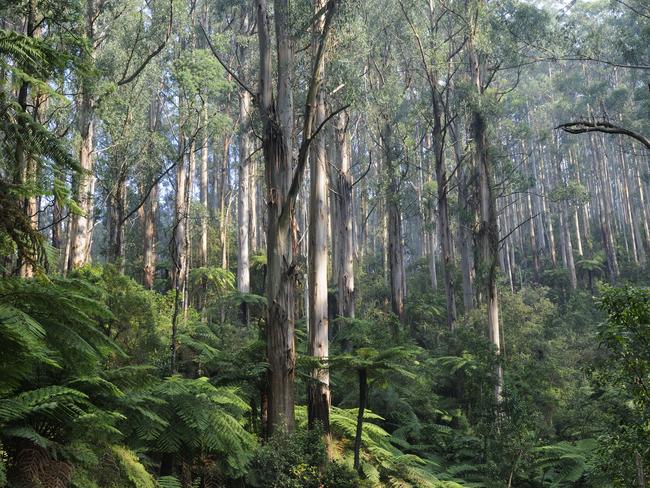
[583, 126]
[147, 193]
[225, 66]
[128, 79]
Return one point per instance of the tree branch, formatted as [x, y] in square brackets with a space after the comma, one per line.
[144, 199]
[583, 126]
[225, 66]
[128, 79]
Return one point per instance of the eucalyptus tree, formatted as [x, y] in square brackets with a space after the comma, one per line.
[246, 203]
[318, 394]
[100, 23]
[389, 98]
[437, 76]
[283, 183]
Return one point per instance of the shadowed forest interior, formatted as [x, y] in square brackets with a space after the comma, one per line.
[324, 243]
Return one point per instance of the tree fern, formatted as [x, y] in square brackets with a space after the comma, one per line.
[203, 418]
[58, 396]
[134, 470]
[563, 463]
[169, 482]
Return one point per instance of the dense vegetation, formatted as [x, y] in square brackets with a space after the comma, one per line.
[324, 243]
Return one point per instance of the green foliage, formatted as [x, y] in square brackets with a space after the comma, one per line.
[201, 418]
[55, 418]
[133, 469]
[289, 461]
[626, 335]
[31, 61]
[621, 377]
[564, 463]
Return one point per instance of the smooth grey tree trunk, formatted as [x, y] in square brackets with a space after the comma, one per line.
[243, 202]
[318, 393]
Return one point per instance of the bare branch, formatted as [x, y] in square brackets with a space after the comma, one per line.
[128, 79]
[583, 126]
[146, 195]
[225, 66]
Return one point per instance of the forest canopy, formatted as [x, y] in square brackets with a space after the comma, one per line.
[324, 243]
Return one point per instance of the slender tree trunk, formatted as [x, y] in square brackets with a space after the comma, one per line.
[344, 233]
[394, 227]
[318, 392]
[642, 202]
[84, 188]
[465, 225]
[117, 252]
[224, 195]
[243, 214]
[187, 247]
[363, 399]
[547, 213]
[606, 204]
[488, 233]
[252, 205]
[149, 242]
[203, 187]
[632, 212]
[565, 229]
[244, 198]
[179, 255]
[179, 242]
[25, 162]
[533, 239]
[150, 220]
[431, 236]
[443, 220]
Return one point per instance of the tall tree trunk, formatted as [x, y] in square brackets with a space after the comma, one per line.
[203, 187]
[253, 222]
[394, 226]
[565, 228]
[533, 238]
[179, 255]
[116, 216]
[632, 212]
[25, 162]
[318, 400]
[606, 214]
[150, 220]
[187, 247]
[547, 214]
[277, 144]
[488, 232]
[81, 224]
[283, 187]
[149, 241]
[224, 201]
[443, 215]
[344, 234]
[642, 202]
[466, 218]
[243, 201]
